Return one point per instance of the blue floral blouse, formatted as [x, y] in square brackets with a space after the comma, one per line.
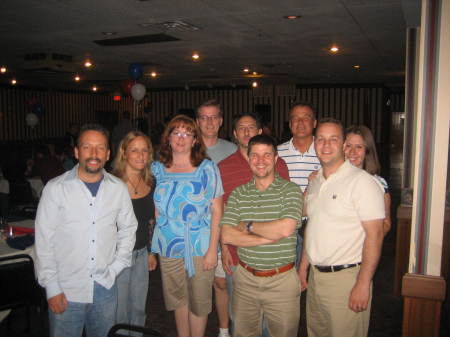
[183, 201]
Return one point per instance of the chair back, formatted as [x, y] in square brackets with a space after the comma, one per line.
[114, 331]
[17, 281]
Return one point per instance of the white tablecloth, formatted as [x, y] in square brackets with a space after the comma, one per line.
[5, 250]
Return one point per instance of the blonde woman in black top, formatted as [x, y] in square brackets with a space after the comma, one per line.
[131, 164]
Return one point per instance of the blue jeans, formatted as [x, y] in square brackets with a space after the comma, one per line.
[98, 316]
[132, 286]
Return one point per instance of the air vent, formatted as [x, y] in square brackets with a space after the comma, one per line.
[138, 39]
[50, 63]
[178, 26]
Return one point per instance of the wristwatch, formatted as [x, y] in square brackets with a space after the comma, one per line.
[249, 227]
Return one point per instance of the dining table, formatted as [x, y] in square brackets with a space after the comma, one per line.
[20, 227]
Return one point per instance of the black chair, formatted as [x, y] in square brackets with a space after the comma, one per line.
[18, 285]
[114, 331]
[21, 200]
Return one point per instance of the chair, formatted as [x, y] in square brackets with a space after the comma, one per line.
[18, 284]
[113, 332]
[21, 201]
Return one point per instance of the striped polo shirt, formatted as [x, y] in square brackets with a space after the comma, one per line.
[282, 199]
[300, 165]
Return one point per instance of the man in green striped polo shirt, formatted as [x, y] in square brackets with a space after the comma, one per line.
[261, 219]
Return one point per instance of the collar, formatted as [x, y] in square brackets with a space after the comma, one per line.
[310, 150]
[73, 175]
[342, 170]
[274, 185]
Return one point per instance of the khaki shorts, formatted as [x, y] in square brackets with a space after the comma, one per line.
[180, 290]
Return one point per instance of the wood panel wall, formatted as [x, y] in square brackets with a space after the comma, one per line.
[61, 109]
[362, 104]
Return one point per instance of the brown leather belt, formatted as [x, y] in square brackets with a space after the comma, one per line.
[269, 272]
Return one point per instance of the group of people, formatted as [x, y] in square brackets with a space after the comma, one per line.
[218, 215]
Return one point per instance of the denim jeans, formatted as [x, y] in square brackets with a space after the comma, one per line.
[98, 316]
[132, 286]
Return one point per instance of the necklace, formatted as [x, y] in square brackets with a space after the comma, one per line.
[137, 185]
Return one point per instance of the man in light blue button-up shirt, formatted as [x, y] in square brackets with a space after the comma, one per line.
[85, 233]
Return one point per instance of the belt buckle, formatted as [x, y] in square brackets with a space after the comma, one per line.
[332, 269]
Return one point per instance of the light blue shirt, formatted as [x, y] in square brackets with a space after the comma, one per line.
[183, 201]
[80, 238]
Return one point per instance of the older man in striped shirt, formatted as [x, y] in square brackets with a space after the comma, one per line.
[261, 219]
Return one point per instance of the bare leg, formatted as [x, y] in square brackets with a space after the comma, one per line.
[197, 325]
[182, 320]
[220, 290]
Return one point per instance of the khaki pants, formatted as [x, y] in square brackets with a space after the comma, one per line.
[277, 297]
[327, 311]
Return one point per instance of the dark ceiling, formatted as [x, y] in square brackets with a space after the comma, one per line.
[228, 35]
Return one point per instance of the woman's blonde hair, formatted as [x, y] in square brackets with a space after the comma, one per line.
[120, 163]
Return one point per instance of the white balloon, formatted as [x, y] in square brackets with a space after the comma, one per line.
[138, 91]
[31, 119]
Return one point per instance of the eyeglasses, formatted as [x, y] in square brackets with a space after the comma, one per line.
[182, 134]
[209, 118]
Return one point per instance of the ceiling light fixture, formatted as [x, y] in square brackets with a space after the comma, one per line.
[292, 17]
[334, 49]
[195, 56]
[13, 81]
[254, 84]
[77, 78]
[245, 70]
[87, 63]
[357, 67]
[94, 88]
[3, 70]
[153, 74]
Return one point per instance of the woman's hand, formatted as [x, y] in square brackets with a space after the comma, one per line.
[210, 260]
[152, 261]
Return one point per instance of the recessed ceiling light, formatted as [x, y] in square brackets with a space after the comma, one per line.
[13, 81]
[254, 84]
[153, 74]
[87, 63]
[76, 78]
[94, 88]
[109, 33]
[195, 56]
[292, 17]
[3, 70]
[357, 66]
[334, 49]
[245, 70]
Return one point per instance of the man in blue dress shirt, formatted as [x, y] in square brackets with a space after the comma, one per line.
[85, 233]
